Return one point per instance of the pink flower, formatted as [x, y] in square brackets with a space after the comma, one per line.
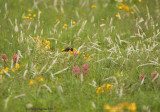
[142, 77]
[85, 69]
[75, 53]
[154, 74]
[76, 70]
[15, 56]
[4, 57]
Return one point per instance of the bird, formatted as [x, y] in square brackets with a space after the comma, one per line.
[68, 49]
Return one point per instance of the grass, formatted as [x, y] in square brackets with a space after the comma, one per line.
[120, 49]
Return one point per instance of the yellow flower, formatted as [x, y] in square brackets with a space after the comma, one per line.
[93, 6]
[39, 45]
[127, 8]
[102, 19]
[140, 0]
[48, 42]
[29, 10]
[17, 66]
[118, 108]
[74, 50]
[132, 12]
[25, 17]
[62, 49]
[13, 69]
[46, 47]
[40, 12]
[89, 57]
[117, 16]
[132, 107]
[57, 20]
[6, 69]
[29, 15]
[36, 39]
[70, 52]
[30, 18]
[1, 72]
[41, 50]
[120, 7]
[31, 82]
[65, 25]
[78, 52]
[107, 107]
[34, 15]
[73, 23]
[40, 79]
[109, 87]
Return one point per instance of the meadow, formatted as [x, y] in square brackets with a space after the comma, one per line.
[111, 64]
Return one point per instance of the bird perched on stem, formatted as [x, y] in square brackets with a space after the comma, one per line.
[67, 49]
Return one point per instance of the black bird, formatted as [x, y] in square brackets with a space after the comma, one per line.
[67, 49]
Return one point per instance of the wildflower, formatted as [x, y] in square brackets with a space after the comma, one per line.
[117, 16]
[120, 7]
[73, 22]
[29, 10]
[65, 25]
[34, 15]
[62, 49]
[126, 8]
[1, 72]
[4, 57]
[100, 89]
[48, 42]
[15, 58]
[57, 20]
[6, 69]
[140, 0]
[36, 39]
[142, 77]
[25, 17]
[154, 74]
[76, 70]
[29, 15]
[30, 18]
[13, 69]
[40, 12]
[89, 57]
[74, 50]
[102, 19]
[48, 47]
[93, 6]
[40, 79]
[107, 107]
[39, 45]
[70, 52]
[109, 87]
[42, 50]
[75, 53]
[132, 107]
[85, 67]
[17, 66]
[132, 12]
[31, 82]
